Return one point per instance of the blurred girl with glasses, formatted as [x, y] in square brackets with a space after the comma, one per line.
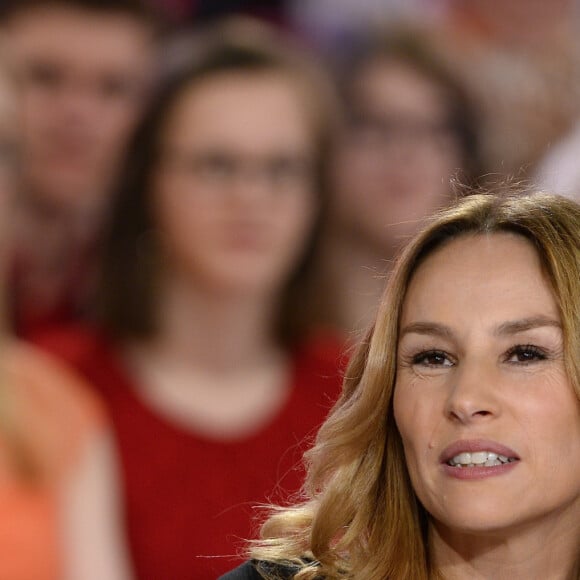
[212, 378]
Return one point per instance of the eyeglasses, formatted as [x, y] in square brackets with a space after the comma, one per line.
[219, 170]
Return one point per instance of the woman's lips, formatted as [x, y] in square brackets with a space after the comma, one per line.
[474, 446]
[477, 459]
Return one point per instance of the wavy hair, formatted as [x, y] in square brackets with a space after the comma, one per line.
[359, 517]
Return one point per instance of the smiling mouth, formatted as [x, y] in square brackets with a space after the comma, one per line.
[479, 459]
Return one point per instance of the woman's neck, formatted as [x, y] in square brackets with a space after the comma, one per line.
[214, 331]
[214, 366]
[534, 552]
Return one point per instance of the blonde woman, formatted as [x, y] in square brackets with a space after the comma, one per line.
[58, 506]
[454, 451]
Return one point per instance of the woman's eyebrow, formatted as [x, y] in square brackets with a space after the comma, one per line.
[430, 328]
[506, 328]
[515, 326]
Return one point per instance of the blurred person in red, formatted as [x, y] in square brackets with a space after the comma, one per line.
[85, 67]
[409, 128]
[521, 61]
[59, 510]
[212, 379]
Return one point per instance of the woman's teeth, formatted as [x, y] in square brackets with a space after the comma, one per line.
[479, 459]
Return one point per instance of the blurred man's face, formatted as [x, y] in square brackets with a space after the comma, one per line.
[85, 77]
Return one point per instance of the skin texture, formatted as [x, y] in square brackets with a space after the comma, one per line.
[477, 381]
[84, 77]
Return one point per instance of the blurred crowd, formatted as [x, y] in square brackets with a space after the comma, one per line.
[200, 203]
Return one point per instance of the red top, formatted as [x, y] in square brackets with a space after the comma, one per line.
[190, 498]
[69, 304]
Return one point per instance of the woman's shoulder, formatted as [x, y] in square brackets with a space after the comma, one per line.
[89, 351]
[258, 570]
[247, 571]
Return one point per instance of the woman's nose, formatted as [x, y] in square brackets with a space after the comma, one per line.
[473, 394]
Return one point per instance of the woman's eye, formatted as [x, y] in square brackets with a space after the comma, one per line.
[432, 358]
[215, 166]
[525, 354]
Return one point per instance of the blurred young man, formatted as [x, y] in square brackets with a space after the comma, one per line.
[85, 68]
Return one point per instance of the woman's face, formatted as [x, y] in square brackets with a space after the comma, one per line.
[397, 155]
[235, 192]
[488, 417]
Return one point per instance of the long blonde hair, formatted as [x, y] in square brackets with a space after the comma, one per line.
[360, 517]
